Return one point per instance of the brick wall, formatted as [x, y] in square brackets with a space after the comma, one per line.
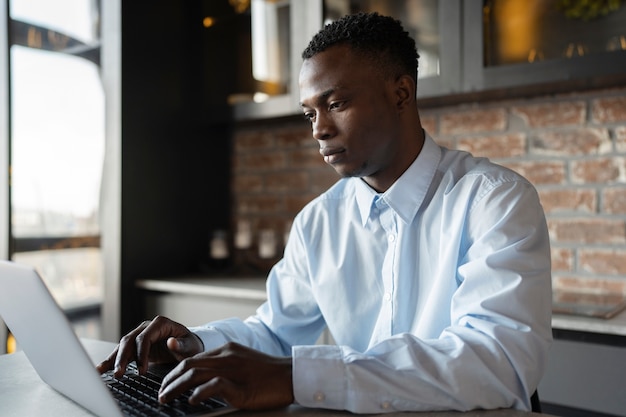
[571, 146]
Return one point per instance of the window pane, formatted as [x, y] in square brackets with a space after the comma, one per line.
[270, 45]
[74, 276]
[419, 17]
[521, 31]
[75, 18]
[57, 106]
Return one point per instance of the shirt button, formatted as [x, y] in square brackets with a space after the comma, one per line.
[319, 396]
[391, 238]
[387, 296]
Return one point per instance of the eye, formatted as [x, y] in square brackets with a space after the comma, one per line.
[309, 116]
[335, 105]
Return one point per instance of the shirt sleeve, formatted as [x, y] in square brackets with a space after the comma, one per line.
[289, 317]
[493, 352]
[252, 332]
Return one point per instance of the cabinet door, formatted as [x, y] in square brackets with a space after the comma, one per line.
[303, 19]
[435, 24]
[195, 310]
[516, 43]
[436, 27]
[585, 376]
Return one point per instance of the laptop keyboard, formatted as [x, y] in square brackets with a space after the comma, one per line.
[137, 396]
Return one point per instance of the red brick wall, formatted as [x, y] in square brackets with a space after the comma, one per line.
[572, 147]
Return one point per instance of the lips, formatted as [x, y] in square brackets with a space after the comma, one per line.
[331, 154]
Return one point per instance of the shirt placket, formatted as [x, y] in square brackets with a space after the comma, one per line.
[387, 222]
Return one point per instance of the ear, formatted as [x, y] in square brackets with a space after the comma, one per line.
[405, 92]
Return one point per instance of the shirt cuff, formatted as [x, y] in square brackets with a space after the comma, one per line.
[211, 337]
[319, 377]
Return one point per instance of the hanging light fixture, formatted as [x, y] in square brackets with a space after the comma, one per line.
[240, 6]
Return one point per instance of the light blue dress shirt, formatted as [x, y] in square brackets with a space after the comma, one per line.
[436, 292]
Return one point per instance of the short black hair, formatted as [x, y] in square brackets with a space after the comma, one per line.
[380, 38]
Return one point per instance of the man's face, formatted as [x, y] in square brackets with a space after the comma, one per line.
[353, 114]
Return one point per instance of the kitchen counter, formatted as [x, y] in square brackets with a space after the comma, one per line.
[584, 347]
[240, 287]
[196, 300]
[252, 288]
[613, 326]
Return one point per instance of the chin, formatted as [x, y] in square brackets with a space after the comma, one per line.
[345, 174]
[350, 171]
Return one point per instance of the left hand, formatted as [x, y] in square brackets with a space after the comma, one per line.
[246, 378]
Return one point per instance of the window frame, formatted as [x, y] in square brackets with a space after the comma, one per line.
[16, 32]
[4, 148]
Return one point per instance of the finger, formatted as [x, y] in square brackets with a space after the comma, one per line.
[152, 339]
[222, 387]
[178, 347]
[127, 350]
[181, 379]
[190, 368]
[108, 363]
[221, 360]
[184, 347]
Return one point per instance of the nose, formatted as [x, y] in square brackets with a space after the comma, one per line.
[323, 127]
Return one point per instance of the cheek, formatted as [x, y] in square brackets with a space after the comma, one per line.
[369, 129]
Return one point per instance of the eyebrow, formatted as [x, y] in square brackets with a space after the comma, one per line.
[321, 97]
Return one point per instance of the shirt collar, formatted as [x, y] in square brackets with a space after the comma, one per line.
[406, 195]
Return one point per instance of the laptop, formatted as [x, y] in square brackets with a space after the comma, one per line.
[50, 344]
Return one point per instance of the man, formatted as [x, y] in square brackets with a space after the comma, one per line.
[429, 267]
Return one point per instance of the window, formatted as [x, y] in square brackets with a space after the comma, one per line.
[57, 138]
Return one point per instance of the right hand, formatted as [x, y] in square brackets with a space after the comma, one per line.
[160, 340]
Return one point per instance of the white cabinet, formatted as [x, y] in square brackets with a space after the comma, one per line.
[586, 376]
[305, 19]
[195, 301]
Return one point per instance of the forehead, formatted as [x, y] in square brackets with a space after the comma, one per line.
[338, 67]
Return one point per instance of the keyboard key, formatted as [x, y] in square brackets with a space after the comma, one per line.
[138, 397]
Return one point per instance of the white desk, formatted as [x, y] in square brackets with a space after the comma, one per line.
[22, 393]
